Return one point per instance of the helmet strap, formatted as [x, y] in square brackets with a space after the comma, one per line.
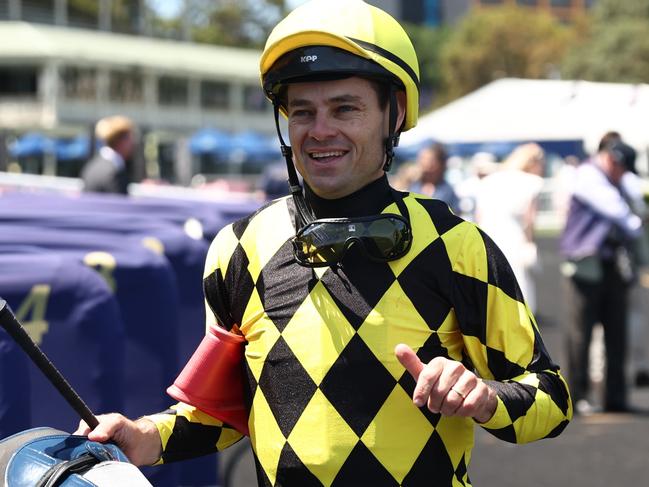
[392, 140]
[304, 214]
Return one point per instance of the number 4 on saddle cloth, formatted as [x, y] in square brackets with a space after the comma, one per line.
[46, 457]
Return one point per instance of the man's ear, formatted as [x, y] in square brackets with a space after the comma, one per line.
[401, 109]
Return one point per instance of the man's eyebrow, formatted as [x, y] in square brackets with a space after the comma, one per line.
[301, 102]
[346, 98]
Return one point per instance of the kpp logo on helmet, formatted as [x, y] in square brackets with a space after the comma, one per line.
[308, 59]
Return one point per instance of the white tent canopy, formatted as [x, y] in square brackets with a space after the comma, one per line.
[552, 110]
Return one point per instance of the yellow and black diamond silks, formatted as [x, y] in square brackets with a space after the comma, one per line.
[330, 403]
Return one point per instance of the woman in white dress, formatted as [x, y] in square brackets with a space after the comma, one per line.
[506, 209]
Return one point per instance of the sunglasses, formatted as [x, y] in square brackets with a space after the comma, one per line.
[324, 242]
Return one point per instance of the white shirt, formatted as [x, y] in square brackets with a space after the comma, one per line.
[110, 154]
[593, 188]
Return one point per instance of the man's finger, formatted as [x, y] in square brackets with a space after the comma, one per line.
[100, 435]
[408, 358]
[106, 429]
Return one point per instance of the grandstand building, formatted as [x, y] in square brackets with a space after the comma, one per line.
[53, 77]
[62, 68]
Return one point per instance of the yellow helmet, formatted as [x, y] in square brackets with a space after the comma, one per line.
[329, 38]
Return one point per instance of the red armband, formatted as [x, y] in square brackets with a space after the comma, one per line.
[213, 379]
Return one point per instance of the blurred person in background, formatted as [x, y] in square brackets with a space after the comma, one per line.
[506, 206]
[599, 243]
[109, 170]
[431, 167]
[481, 165]
[564, 181]
[638, 305]
[405, 175]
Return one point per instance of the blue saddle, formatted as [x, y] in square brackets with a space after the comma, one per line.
[46, 457]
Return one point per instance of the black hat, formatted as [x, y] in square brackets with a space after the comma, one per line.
[623, 154]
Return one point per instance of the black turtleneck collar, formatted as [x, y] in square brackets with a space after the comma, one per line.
[369, 200]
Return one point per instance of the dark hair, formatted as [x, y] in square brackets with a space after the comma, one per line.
[622, 154]
[382, 90]
[114, 140]
[608, 139]
[439, 151]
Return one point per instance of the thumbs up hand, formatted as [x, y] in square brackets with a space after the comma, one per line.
[447, 387]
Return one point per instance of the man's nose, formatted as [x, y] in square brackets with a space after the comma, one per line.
[322, 127]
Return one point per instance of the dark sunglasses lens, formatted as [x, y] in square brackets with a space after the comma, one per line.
[386, 238]
[321, 243]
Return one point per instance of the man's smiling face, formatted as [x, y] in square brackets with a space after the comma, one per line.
[337, 130]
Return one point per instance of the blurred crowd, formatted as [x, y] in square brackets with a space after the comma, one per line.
[599, 207]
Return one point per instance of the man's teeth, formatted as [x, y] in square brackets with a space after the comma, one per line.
[321, 155]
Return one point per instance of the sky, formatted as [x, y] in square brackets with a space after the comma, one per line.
[169, 8]
[295, 3]
[166, 8]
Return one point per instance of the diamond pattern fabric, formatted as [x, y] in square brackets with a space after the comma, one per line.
[330, 405]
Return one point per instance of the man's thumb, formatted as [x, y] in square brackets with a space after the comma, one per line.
[408, 358]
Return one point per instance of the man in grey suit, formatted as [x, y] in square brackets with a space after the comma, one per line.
[108, 170]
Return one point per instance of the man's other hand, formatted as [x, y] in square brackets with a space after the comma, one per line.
[448, 387]
[139, 440]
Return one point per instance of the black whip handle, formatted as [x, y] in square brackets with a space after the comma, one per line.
[9, 322]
